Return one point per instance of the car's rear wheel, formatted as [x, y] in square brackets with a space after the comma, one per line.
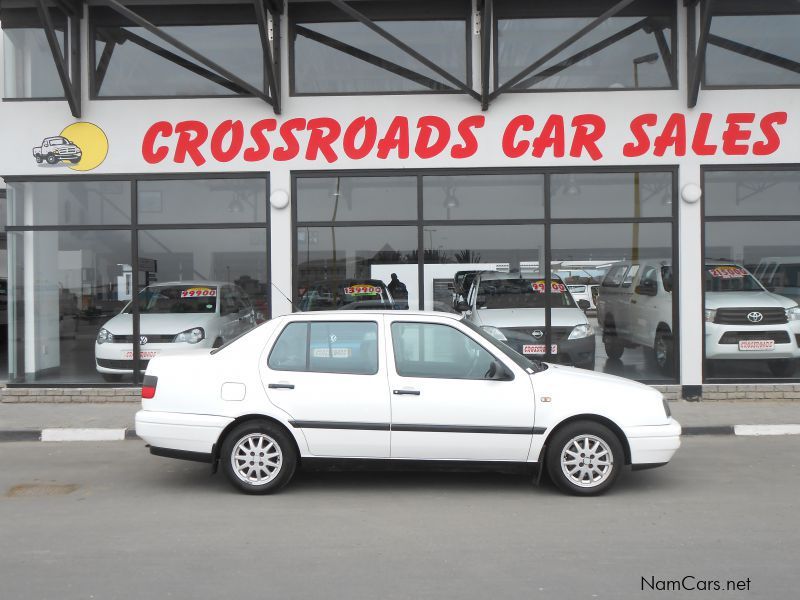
[258, 457]
[585, 458]
[781, 368]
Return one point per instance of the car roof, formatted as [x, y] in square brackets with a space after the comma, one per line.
[190, 282]
[361, 313]
[500, 276]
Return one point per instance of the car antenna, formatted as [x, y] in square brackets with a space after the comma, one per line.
[280, 291]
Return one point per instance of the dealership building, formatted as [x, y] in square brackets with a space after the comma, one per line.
[637, 162]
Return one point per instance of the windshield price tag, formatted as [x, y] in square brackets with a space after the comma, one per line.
[199, 292]
[556, 287]
[728, 272]
[362, 290]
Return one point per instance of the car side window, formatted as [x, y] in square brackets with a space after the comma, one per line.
[435, 350]
[649, 281]
[630, 276]
[227, 302]
[327, 347]
[614, 277]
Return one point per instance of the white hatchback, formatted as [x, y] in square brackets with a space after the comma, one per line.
[392, 388]
[173, 317]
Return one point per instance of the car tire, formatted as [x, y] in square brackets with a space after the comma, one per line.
[663, 352]
[75, 161]
[272, 450]
[39, 158]
[51, 159]
[111, 377]
[217, 343]
[781, 368]
[613, 345]
[566, 462]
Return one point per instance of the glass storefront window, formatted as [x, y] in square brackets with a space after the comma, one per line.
[355, 267]
[611, 195]
[29, 68]
[69, 203]
[333, 54]
[202, 201]
[64, 285]
[751, 276]
[480, 197]
[129, 61]
[334, 199]
[753, 44]
[622, 273]
[632, 49]
[491, 264]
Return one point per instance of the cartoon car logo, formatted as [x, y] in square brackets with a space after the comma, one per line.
[57, 149]
[80, 146]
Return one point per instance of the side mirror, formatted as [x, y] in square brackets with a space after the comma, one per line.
[498, 372]
[584, 305]
[462, 306]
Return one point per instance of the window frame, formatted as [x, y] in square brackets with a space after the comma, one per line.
[554, 6]
[743, 8]
[704, 220]
[547, 221]
[390, 11]
[135, 228]
[92, 25]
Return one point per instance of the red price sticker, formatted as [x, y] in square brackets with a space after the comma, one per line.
[556, 287]
[199, 292]
[728, 272]
[362, 290]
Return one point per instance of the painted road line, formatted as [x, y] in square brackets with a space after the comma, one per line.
[766, 429]
[82, 435]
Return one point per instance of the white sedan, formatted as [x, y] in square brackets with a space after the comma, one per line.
[392, 388]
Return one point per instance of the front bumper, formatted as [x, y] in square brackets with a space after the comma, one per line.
[653, 444]
[184, 432]
[117, 359]
[786, 337]
[577, 352]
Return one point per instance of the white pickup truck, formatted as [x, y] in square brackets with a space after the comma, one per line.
[56, 149]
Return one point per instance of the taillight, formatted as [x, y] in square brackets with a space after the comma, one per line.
[149, 384]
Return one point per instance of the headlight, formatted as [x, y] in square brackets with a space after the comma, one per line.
[793, 314]
[104, 335]
[581, 331]
[495, 333]
[191, 336]
[709, 315]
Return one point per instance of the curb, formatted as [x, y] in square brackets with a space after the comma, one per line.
[99, 434]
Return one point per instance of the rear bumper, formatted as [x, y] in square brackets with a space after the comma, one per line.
[184, 432]
[653, 445]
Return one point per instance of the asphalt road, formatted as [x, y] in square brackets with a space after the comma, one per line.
[128, 525]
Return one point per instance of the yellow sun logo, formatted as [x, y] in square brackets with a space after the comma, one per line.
[92, 142]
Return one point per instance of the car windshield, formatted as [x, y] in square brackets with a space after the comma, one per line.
[176, 299]
[58, 142]
[519, 359]
[522, 293]
[730, 278]
[349, 294]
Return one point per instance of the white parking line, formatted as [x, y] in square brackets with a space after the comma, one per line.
[82, 435]
[766, 429]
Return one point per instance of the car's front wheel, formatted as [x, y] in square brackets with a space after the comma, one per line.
[258, 457]
[51, 159]
[584, 458]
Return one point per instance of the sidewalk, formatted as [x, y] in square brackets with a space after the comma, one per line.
[27, 420]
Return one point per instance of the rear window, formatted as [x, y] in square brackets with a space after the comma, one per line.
[327, 347]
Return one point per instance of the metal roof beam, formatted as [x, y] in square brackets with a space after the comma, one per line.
[754, 53]
[697, 54]
[344, 7]
[72, 90]
[487, 10]
[270, 67]
[618, 7]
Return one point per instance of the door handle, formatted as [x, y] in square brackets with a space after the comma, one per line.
[281, 386]
[406, 392]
